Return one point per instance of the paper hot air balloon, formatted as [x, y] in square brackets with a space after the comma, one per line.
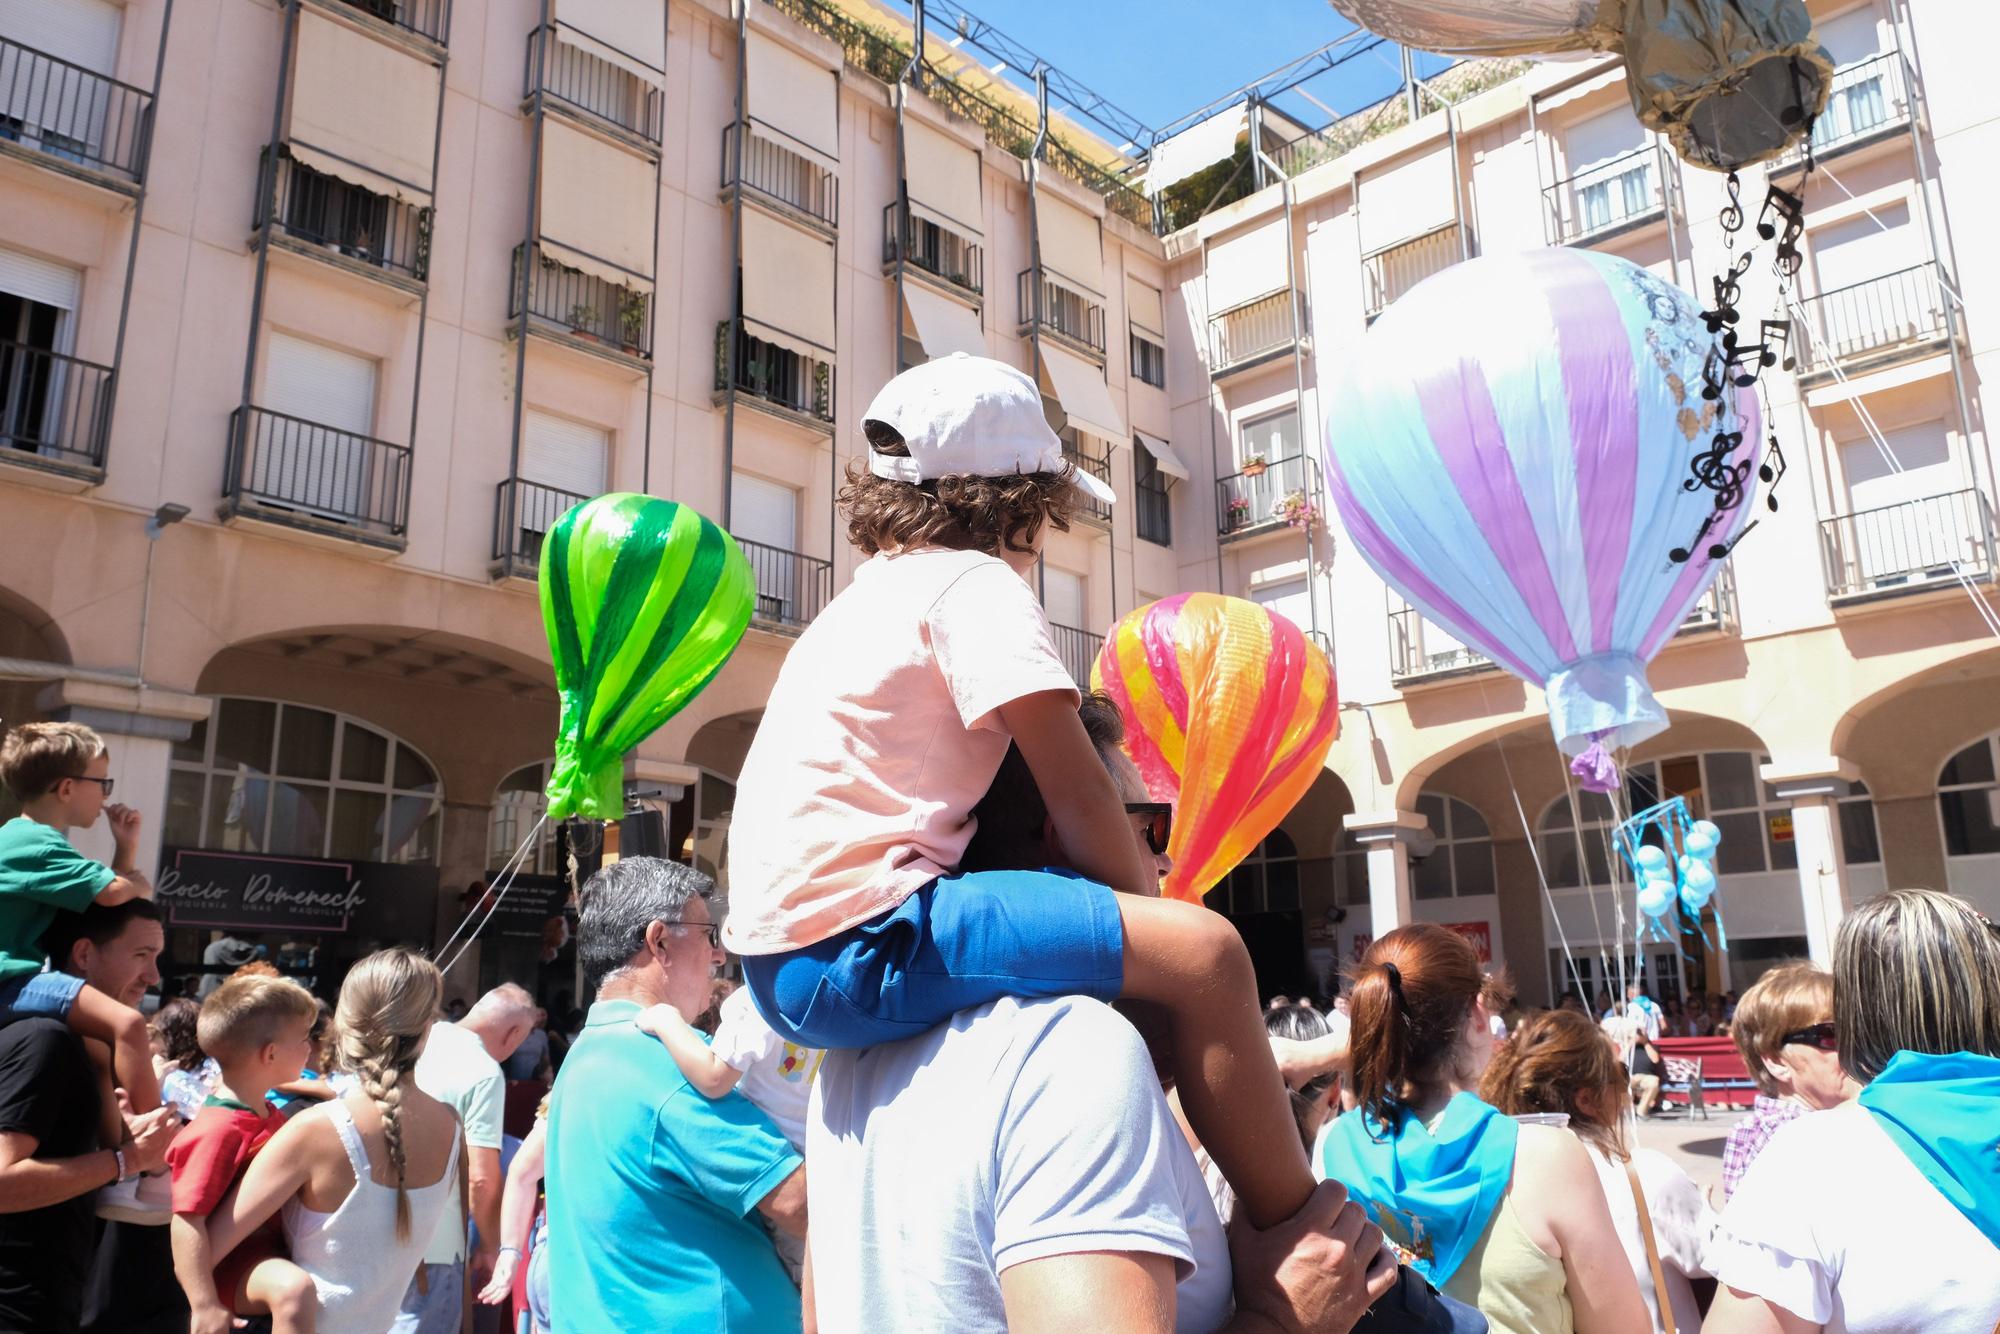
[643, 601]
[1514, 450]
[1229, 713]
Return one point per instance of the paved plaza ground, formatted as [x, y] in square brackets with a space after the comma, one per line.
[1696, 1145]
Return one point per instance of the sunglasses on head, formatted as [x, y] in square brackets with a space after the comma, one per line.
[1159, 828]
[1818, 1035]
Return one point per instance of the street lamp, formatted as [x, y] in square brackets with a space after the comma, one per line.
[163, 518]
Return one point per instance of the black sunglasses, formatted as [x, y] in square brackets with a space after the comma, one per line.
[1159, 829]
[1818, 1035]
[105, 783]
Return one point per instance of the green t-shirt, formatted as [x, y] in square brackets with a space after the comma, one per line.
[39, 873]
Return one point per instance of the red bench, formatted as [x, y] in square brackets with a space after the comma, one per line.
[1720, 1075]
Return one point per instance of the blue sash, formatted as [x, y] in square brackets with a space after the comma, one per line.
[1943, 1112]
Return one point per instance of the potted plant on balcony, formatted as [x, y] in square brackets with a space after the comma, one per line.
[1254, 466]
[1239, 510]
[583, 321]
[632, 321]
[1295, 510]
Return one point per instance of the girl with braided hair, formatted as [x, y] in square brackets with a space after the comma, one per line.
[363, 1179]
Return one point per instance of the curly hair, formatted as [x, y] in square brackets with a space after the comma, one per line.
[960, 511]
[174, 1025]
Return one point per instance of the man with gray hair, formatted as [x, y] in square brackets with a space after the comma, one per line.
[654, 1185]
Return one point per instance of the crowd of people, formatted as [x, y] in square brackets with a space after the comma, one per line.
[979, 1077]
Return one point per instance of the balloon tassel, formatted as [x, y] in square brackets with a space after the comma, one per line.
[1595, 770]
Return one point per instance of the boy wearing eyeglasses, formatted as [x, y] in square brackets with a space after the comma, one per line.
[60, 773]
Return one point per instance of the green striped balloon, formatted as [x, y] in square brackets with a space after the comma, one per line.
[643, 601]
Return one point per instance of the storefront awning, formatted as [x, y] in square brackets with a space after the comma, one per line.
[943, 325]
[1163, 454]
[1084, 396]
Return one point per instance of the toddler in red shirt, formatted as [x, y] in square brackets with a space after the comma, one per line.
[258, 1030]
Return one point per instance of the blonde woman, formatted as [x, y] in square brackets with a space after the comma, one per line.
[362, 1180]
[1882, 1216]
[1784, 1031]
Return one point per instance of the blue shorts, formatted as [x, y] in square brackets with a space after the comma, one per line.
[960, 941]
[49, 995]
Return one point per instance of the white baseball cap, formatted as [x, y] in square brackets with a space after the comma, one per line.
[972, 415]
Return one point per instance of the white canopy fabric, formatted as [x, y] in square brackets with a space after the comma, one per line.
[1163, 454]
[1145, 307]
[788, 284]
[630, 35]
[797, 97]
[944, 178]
[1247, 265]
[363, 110]
[1072, 246]
[1407, 199]
[1080, 388]
[1196, 147]
[943, 325]
[596, 205]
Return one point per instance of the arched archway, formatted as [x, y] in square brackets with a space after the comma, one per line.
[30, 634]
[1293, 896]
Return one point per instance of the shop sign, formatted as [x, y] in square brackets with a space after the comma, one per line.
[1781, 827]
[1480, 934]
[244, 891]
[524, 910]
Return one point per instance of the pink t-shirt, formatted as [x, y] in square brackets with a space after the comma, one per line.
[881, 734]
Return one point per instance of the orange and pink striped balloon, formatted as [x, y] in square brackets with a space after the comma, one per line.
[1229, 713]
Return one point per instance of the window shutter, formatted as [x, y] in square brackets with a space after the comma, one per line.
[563, 453]
[83, 32]
[36, 279]
[319, 384]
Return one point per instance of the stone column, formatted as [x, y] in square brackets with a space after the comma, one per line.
[1388, 837]
[1812, 788]
[140, 725]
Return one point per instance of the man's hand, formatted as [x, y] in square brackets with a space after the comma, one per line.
[479, 1265]
[1316, 1272]
[212, 1320]
[150, 1133]
[499, 1286]
[124, 823]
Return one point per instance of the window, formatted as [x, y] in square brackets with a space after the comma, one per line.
[287, 780]
[1265, 881]
[1462, 862]
[519, 801]
[1155, 506]
[38, 302]
[1271, 437]
[764, 516]
[1969, 801]
[1062, 596]
[563, 454]
[1149, 360]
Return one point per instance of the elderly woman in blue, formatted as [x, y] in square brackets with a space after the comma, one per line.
[1503, 1216]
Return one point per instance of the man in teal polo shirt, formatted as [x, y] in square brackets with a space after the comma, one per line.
[652, 1186]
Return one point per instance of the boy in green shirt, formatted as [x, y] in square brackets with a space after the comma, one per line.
[59, 772]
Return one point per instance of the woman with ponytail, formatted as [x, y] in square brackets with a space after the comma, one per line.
[363, 1179]
[1499, 1215]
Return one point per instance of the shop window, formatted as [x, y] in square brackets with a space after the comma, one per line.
[518, 803]
[1462, 862]
[1969, 801]
[1265, 881]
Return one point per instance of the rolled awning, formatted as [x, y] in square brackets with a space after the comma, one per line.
[788, 285]
[1084, 396]
[1413, 197]
[1072, 246]
[944, 178]
[630, 35]
[362, 110]
[1246, 266]
[797, 97]
[1204, 142]
[943, 325]
[596, 206]
[1144, 306]
[1163, 454]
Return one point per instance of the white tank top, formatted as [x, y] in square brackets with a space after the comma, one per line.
[358, 1268]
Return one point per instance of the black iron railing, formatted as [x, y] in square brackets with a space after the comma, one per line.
[1419, 649]
[1154, 509]
[586, 306]
[523, 513]
[1281, 491]
[590, 84]
[429, 19]
[1078, 650]
[1866, 99]
[792, 587]
[69, 112]
[1253, 330]
[324, 210]
[1061, 309]
[1717, 608]
[1393, 270]
[774, 374]
[1908, 546]
[316, 474]
[1098, 466]
[782, 174]
[55, 411]
[935, 249]
[1873, 320]
[1608, 197]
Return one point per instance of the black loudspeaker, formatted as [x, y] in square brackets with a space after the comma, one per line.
[643, 834]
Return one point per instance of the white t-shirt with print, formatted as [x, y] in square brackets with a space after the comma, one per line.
[777, 1075]
[1834, 1223]
[1017, 1131]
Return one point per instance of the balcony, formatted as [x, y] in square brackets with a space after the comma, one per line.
[1254, 332]
[936, 250]
[791, 384]
[1607, 199]
[777, 175]
[1094, 512]
[1078, 650]
[1393, 270]
[1867, 101]
[428, 19]
[300, 474]
[1907, 547]
[792, 588]
[356, 229]
[1254, 502]
[1869, 324]
[1062, 311]
[578, 308]
[1716, 612]
[55, 411]
[55, 112]
[523, 513]
[592, 88]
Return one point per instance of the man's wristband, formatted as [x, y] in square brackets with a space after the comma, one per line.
[514, 1251]
[118, 1157]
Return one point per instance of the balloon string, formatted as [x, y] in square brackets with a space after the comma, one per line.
[496, 897]
[1583, 866]
[1533, 837]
